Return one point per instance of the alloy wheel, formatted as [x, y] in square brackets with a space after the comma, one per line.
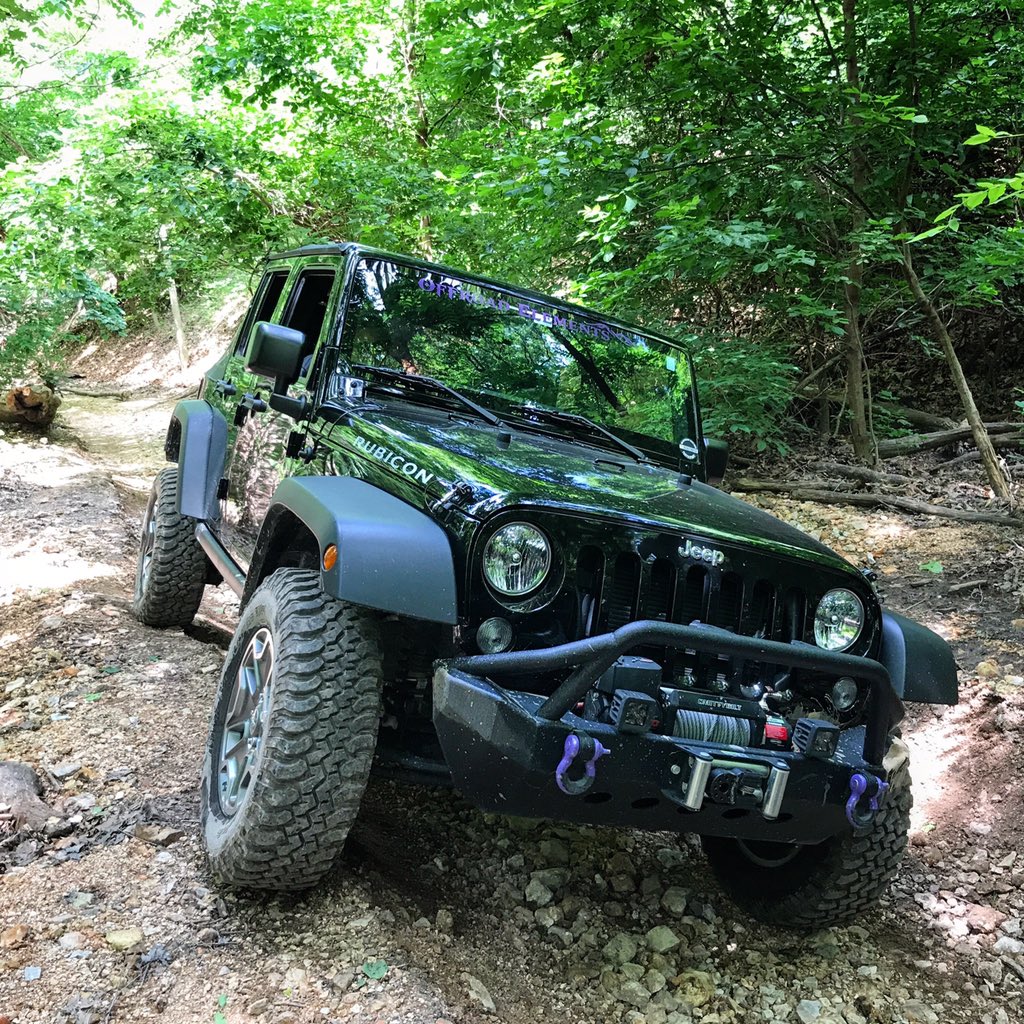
[245, 720]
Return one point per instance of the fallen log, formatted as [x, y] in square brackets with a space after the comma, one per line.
[20, 790]
[31, 404]
[121, 396]
[913, 443]
[862, 473]
[1003, 441]
[919, 418]
[814, 490]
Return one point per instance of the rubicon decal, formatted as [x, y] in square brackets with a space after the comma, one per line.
[702, 554]
[395, 460]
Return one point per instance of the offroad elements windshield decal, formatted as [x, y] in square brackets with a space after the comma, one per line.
[462, 292]
[395, 460]
[713, 556]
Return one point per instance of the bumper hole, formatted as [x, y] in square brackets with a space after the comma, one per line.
[736, 812]
[645, 803]
[597, 798]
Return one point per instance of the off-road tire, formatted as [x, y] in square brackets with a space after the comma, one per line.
[827, 884]
[318, 736]
[169, 588]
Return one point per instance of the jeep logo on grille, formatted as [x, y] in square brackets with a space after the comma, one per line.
[702, 554]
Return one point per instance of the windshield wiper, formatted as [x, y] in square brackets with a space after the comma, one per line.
[557, 416]
[430, 384]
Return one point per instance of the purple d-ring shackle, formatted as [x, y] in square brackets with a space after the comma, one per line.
[579, 744]
[859, 784]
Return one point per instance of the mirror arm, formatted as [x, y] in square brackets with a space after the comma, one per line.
[298, 408]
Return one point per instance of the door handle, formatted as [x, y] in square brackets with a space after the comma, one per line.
[225, 387]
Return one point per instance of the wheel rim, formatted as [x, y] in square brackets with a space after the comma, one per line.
[147, 546]
[244, 721]
[768, 855]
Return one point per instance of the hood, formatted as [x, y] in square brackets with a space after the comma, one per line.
[558, 474]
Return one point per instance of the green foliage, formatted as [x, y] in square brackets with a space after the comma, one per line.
[684, 165]
[745, 390]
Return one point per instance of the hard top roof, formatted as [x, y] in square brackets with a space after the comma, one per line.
[348, 248]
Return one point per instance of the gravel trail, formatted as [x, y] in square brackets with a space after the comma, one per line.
[438, 912]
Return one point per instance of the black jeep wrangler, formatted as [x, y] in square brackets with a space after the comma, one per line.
[476, 540]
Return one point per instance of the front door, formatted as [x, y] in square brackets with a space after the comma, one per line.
[258, 460]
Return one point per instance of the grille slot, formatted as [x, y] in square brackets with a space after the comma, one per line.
[656, 599]
[622, 591]
[730, 602]
[696, 596]
[589, 580]
[760, 615]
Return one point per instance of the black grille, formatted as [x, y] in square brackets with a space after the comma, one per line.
[643, 575]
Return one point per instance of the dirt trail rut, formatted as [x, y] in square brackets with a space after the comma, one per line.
[438, 912]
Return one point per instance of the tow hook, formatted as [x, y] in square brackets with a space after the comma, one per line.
[579, 744]
[865, 792]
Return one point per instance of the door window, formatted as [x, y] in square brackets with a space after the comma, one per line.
[307, 310]
[263, 305]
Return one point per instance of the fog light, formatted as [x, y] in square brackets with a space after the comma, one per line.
[494, 635]
[844, 694]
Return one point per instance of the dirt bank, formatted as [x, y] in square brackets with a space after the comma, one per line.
[112, 916]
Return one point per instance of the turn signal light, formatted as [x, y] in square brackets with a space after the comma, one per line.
[330, 557]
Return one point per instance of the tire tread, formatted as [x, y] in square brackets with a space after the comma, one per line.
[319, 742]
[178, 568]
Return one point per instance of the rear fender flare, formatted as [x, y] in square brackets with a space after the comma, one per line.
[197, 440]
[391, 556]
[920, 663]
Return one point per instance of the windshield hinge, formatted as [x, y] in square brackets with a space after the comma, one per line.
[352, 388]
[456, 493]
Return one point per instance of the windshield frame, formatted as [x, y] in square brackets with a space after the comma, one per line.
[356, 253]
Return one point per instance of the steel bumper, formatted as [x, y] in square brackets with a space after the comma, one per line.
[503, 745]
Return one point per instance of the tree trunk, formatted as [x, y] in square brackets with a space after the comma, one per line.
[179, 327]
[982, 441]
[410, 59]
[863, 441]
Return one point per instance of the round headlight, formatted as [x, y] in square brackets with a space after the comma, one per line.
[838, 620]
[516, 559]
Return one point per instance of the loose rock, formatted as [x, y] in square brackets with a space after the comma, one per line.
[478, 992]
[123, 939]
[634, 993]
[808, 1010]
[621, 948]
[661, 939]
[538, 894]
[695, 988]
[673, 900]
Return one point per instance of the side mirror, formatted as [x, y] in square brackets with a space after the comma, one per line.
[275, 351]
[716, 458]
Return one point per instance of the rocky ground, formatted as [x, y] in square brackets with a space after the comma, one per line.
[438, 912]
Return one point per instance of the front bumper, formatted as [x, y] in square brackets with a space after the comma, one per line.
[503, 746]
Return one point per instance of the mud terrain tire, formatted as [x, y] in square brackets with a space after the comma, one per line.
[827, 884]
[172, 567]
[277, 817]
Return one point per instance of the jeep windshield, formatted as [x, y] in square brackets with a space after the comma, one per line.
[514, 355]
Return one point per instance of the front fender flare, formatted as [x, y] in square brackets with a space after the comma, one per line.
[197, 440]
[920, 663]
[391, 556]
